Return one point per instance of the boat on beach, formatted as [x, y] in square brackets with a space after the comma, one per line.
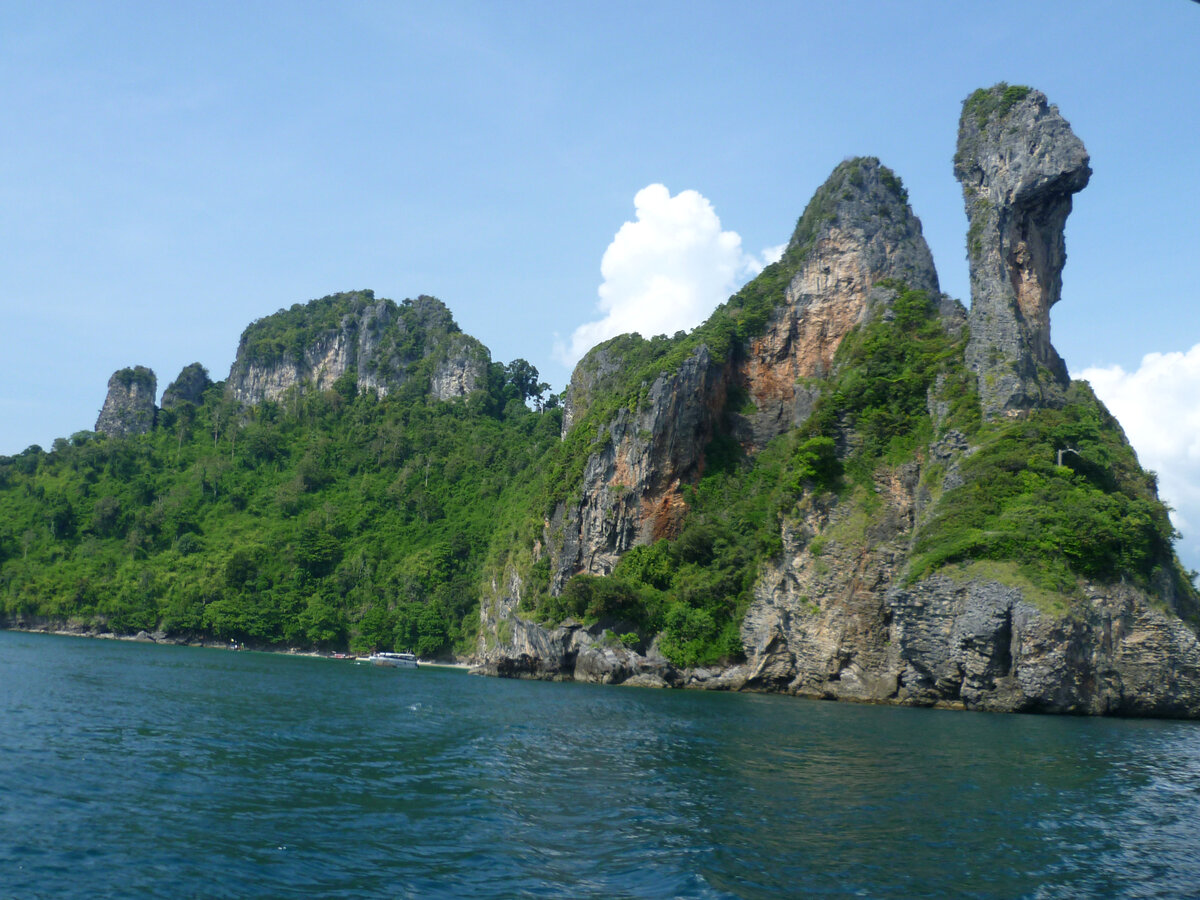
[392, 660]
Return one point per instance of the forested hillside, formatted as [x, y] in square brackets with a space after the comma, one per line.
[325, 518]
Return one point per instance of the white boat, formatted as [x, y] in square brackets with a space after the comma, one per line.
[393, 660]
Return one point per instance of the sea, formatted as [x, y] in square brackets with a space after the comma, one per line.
[139, 770]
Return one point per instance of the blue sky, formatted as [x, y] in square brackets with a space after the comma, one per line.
[173, 171]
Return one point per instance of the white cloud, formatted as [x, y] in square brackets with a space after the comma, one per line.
[666, 271]
[1158, 405]
[769, 255]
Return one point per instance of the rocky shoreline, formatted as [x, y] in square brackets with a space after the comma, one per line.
[161, 637]
[68, 629]
[975, 645]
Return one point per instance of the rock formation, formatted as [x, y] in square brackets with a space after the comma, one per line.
[189, 387]
[593, 374]
[836, 612]
[380, 343]
[129, 406]
[1019, 164]
[842, 625]
[631, 485]
[461, 367]
[857, 231]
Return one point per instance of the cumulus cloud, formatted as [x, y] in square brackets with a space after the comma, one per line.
[1158, 405]
[666, 271]
[769, 255]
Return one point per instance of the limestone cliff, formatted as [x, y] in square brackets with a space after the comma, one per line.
[960, 563]
[630, 490]
[380, 344]
[595, 374]
[1019, 164]
[857, 231]
[461, 367]
[841, 623]
[129, 405]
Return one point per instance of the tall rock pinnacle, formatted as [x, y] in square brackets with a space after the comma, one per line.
[1019, 163]
[129, 405]
[857, 230]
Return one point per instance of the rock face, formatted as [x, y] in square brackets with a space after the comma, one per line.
[380, 343]
[129, 406]
[189, 387]
[568, 652]
[631, 484]
[840, 625]
[1019, 164]
[857, 230]
[833, 614]
[593, 374]
[460, 369]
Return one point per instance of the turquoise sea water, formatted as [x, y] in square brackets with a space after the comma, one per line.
[132, 770]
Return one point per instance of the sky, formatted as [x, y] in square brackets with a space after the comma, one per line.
[556, 173]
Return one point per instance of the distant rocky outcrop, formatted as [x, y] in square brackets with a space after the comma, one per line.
[129, 406]
[461, 367]
[188, 387]
[382, 345]
[593, 374]
[1019, 164]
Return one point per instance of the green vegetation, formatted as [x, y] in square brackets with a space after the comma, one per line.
[884, 372]
[337, 519]
[975, 239]
[1094, 516]
[326, 519]
[994, 102]
[139, 375]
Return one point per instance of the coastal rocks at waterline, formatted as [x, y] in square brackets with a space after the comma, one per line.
[842, 626]
[943, 642]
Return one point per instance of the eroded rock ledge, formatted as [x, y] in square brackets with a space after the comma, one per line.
[129, 404]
